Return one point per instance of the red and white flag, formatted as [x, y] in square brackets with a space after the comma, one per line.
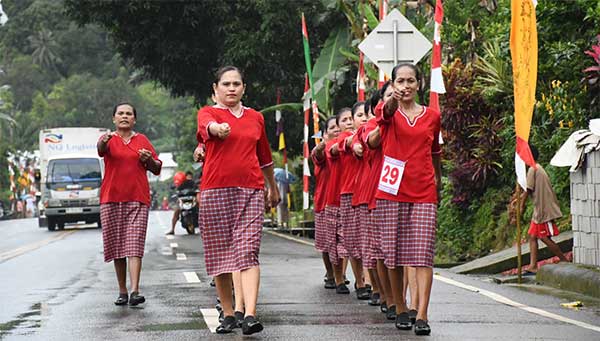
[437, 80]
[360, 81]
[383, 9]
[306, 170]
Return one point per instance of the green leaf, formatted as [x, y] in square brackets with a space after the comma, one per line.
[349, 54]
[295, 107]
[372, 20]
[7, 118]
[329, 60]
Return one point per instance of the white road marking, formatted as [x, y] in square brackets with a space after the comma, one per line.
[501, 299]
[191, 277]
[280, 235]
[211, 317]
[181, 256]
[170, 236]
[173, 245]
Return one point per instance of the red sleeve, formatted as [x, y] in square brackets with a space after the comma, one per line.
[435, 146]
[150, 147]
[313, 157]
[342, 142]
[328, 149]
[379, 114]
[205, 118]
[369, 127]
[263, 150]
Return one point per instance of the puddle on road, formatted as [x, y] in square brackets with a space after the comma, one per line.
[25, 323]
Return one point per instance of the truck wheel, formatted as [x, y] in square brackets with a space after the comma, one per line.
[51, 224]
[99, 224]
[61, 225]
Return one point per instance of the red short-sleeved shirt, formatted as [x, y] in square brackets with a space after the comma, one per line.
[321, 172]
[414, 143]
[125, 178]
[360, 178]
[332, 191]
[376, 156]
[237, 160]
[350, 164]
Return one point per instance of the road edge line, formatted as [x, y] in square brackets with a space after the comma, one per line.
[501, 299]
[34, 246]
[281, 235]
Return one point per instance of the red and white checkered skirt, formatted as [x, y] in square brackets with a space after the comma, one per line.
[349, 219]
[335, 236]
[124, 226]
[320, 232]
[370, 238]
[407, 232]
[231, 222]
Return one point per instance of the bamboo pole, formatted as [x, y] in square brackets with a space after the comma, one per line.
[518, 212]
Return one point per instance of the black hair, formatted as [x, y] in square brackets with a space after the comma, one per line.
[221, 71]
[329, 119]
[189, 173]
[374, 100]
[409, 65]
[384, 89]
[357, 106]
[367, 107]
[340, 113]
[534, 152]
[124, 103]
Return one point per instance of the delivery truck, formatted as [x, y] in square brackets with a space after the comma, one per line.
[71, 174]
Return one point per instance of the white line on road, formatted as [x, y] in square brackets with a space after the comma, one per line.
[504, 300]
[280, 235]
[174, 245]
[211, 317]
[191, 277]
[30, 247]
[181, 256]
[169, 236]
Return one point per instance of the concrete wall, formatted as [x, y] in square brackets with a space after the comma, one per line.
[585, 211]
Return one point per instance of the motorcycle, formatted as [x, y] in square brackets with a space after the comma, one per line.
[188, 209]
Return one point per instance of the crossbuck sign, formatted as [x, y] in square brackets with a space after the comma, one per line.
[395, 40]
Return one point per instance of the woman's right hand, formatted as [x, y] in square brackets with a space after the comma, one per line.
[107, 137]
[221, 130]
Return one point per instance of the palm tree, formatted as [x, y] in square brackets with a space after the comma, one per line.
[44, 49]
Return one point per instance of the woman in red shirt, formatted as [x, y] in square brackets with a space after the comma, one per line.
[407, 193]
[322, 173]
[237, 160]
[125, 200]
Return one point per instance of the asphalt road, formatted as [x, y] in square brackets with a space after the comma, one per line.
[55, 286]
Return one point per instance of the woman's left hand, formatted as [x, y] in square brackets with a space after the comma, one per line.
[144, 154]
[273, 197]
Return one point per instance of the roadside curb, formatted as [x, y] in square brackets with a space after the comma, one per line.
[572, 277]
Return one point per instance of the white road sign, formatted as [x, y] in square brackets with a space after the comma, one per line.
[395, 40]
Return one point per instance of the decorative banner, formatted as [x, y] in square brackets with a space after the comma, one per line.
[310, 79]
[437, 80]
[523, 50]
[306, 170]
[360, 81]
[383, 9]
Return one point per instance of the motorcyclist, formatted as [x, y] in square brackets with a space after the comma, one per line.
[188, 183]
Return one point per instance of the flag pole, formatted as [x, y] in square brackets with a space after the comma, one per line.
[519, 253]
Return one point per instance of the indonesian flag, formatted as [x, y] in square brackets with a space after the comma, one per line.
[437, 80]
[305, 169]
[310, 80]
[523, 50]
[383, 8]
[360, 82]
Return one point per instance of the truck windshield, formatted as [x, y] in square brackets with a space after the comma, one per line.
[74, 170]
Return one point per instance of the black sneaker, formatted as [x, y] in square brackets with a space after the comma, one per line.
[403, 321]
[251, 325]
[226, 325]
[135, 298]
[391, 313]
[342, 289]
[413, 315]
[329, 283]
[422, 328]
[239, 318]
[375, 299]
[383, 307]
[346, 281]
[362, 293]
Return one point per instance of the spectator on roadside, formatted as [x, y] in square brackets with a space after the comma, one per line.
[545, 211]
[188, 183]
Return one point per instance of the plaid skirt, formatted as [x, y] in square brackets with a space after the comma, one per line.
[407, 232]
[370, 238]
[349, 219]
[320, 232]
[124, 226]
[231, 222]
[335, 236]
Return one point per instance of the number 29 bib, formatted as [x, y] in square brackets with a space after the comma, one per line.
[391, 175]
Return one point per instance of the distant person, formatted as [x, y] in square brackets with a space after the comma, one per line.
[29, 206]
[188, 183]
[545, 211]
[125, 199]
[237, 162]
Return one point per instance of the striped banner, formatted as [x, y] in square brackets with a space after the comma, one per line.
[437, 80]
[306, 170]
[360, 81]
[383, 9]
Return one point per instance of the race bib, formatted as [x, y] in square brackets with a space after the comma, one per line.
[391, 175]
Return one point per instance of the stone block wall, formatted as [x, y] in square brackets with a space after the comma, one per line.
[585, 211]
